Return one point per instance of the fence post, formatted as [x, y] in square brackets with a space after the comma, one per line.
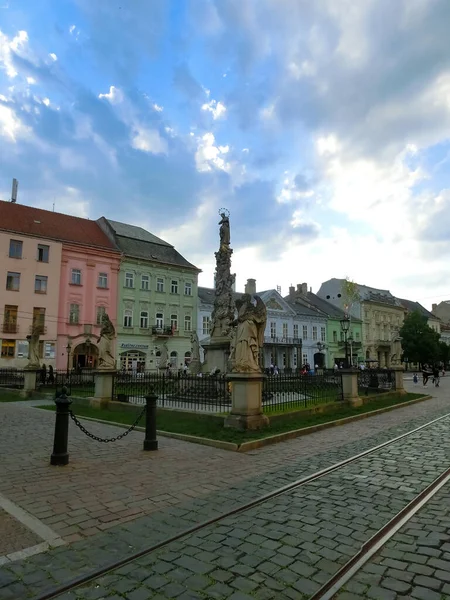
[150, 442]
[350, 387]
[60, 455]
[399, 385]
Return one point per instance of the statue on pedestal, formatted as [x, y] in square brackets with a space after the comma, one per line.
[249, 335]
[33, 346]
[105, 344]
[163, 357]
[224, 229]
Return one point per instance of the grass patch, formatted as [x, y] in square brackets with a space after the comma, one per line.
[211, 426]
[11, 397]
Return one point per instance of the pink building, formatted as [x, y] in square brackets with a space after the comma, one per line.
[61, 272]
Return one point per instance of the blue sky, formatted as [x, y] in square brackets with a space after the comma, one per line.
[322, 126]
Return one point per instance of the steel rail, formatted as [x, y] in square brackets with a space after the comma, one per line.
[379, 539]
[88, 577]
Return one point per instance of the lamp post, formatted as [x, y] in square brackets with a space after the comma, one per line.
[350, 341]
[345, 326]
[68, 350]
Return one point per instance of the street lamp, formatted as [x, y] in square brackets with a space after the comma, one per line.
[350, 341]
[68, 350]
[345, 326]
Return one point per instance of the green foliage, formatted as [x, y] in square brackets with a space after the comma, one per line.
[419, 341]
[350, 294]
[444, 352]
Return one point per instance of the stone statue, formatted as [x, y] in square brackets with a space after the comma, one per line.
[249, 335]
[163, 357]
[224, 230]
[105, 344]
[33, 346]
[195, 356]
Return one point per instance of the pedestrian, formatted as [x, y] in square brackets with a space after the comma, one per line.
[415, 379]
[425, 375]
[51, 376]
[43, 374]
[436, 376]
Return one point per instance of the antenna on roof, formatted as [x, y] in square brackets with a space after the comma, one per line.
[15, 185]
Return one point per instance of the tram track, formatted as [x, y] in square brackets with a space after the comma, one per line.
[336, 581]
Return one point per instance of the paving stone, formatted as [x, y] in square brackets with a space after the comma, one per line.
[302, 569]
[173, 590]
[199, 582]
[306, 586]
[379, 593]
[194, 565]
[425, 594]
[420, 569]
[218, 590]
[402, 587]
[442, 575]
[428, 582]
[139, 594]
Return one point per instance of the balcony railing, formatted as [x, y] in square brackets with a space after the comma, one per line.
[10, 328]
[164, 331]
[283, 340]
[42, 328]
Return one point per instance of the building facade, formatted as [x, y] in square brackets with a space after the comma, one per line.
[157, 300]
[442, 311]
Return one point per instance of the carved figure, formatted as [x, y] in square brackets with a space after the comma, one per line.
[249, 335]
[224, 230]
[195, 356]
[163, 357]
[105, 344]
[33, 346]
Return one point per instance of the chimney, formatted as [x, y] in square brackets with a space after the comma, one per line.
[299, 288]
[291, 290]
[433, 307]
[15, 185]
[250, 287]
[304, 288]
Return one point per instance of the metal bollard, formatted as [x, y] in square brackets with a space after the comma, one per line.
[60, 456]
[150, 442]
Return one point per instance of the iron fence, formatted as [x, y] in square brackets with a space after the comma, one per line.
[373, 381]
[284, 392]
[81, 384]
[209, 394]
[11, 378]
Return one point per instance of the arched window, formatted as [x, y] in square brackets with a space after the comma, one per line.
[173, 358]
[187, 357]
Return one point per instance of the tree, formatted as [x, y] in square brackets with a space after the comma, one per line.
[444, 352]
[419, 341]
[350, 294]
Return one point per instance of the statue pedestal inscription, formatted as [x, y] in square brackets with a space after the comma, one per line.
[246, 396]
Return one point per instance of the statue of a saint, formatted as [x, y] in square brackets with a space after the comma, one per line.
[105, 344]
[224, 230]
[33, 346]
[163, 357]
[249, 335]
[195, 356]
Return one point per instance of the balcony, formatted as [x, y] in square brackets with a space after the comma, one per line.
[42, 328]
[10, 328]
[165, 331]
[283, 341]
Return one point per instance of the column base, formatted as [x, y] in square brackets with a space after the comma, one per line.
[99, 402]
[246, 422]
[355, 402]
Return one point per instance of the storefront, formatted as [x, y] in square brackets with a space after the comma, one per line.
[133, 356]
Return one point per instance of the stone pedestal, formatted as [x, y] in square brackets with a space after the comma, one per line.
[246, 396]
[217, 353]
[29, 381]
[103, 388]
[350, 387]
[399, 385]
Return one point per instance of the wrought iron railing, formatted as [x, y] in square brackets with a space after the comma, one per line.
[209, 394]
[11, 378]
[80, 385]
[10, 327]
[283, 340]
[283, 392]
[166, 330]
[372, 381]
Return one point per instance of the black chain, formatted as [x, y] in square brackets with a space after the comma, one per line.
[106, 440]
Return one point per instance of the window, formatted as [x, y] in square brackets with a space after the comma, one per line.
[314, 333]
[102, 280]
[342, 336]
[357, 336]
[40, 284]
[273, 329]
[145, 282]
[173, 287]
[8, 348]
[10, 319]
[15, 249]
[335, 336]
[188, 288]
[129, 280]
[296, 331]
[38, 316]
[160, 284]
[285, 330]
[144, 319]
[323, 334]
[42, 253]
[74, 314]
[187, 322]
[76, 277]
[174, 322]
[13, 281]
[305, 332]
[49, 350]
[128, 318]
[101, 312]
[206, 324]
[304, 358]
[174, 358]
[159, 320]
[295, 359]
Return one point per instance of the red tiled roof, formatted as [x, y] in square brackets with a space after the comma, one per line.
[29, 220]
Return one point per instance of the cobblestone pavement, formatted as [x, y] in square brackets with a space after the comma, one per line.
[180, 485]
[14, 536]
[415, 563]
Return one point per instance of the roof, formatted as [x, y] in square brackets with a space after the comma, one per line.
[301, 309]
[371, 294]
[330, 310]
[207, 295]
[412, 306]
[136, 233]
[28, 220]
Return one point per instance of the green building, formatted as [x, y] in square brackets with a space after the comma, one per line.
[157, 300]
[335, 343]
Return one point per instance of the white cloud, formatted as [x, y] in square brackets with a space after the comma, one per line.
[18, 45]
[115, 95]
[217, 109]
[72, 28]
[149, 140]
[53, 56]
[157, 107]
[290, 193]
[10, 125]
[209, 156]
[327, 144]
[31, 80]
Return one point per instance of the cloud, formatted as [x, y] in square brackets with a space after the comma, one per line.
[217, 109]
[209, 156]
[10, 47]
[115, 96]
[149, 140]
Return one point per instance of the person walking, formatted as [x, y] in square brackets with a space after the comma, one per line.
[425, 374]
[436, 376]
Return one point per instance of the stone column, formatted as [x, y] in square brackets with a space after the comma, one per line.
[399, 385]
[350, 387]
[103, 388]
[29, 381]
[246, 395]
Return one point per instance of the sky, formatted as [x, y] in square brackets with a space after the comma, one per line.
[323, 127]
